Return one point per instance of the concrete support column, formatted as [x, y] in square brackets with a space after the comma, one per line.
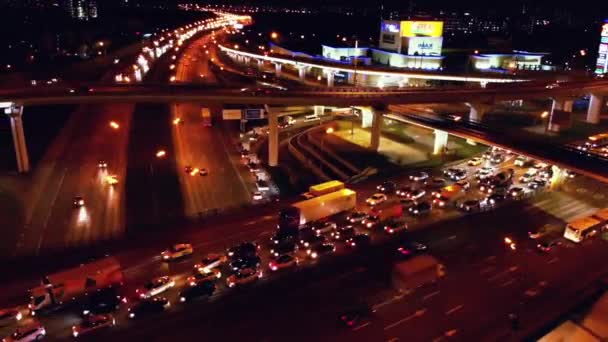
[319, 110]
[483, 84]
[376, 129]
[350, 78]
[277, 68]
[302, 73]
[247, 60]
[441, 142]
[595, 108]
[568, 104]
[23, 160]
[330, 78]
[478, 110]
[273, 137]
[559, 104]
[260, 63]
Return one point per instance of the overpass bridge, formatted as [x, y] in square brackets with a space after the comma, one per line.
[479, 99]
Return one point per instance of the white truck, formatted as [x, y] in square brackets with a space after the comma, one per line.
[62, 287]
[415, 272]
[326, 205]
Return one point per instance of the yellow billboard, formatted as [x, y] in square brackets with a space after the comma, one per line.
[411, 28]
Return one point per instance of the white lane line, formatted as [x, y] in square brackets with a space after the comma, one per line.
[554, 260]
[361, 326]
[507, 283]
[430, 295]
[454, 309]
[487, 270]
[418, 313]
[503, 273]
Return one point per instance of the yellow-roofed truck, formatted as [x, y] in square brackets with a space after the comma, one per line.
[323, 189]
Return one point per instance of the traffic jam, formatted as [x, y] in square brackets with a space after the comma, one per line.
[330, 220]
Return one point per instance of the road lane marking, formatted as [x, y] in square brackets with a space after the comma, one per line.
[503, 273]
[393, 339]
[554, 260]
[507, 283]
[361, 326]
[454, 309]
[418, 313]
[487, 270]
[430, 295]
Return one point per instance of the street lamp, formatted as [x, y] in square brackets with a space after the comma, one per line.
[161, 154]
[274, 35]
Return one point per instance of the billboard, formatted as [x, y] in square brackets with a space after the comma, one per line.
[428, 46]
[254, 113]
[601, 65]
[421, 28]
[391, 26]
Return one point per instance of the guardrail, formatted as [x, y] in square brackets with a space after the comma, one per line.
[304, 160]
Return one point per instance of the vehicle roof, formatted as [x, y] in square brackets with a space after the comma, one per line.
[321, 200]
[326, 185]
[602, 214]
[104, 265]
[583, 223]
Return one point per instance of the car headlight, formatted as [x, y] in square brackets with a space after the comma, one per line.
[131, 315]
[182, 299]
[75, 333]
[19, 316]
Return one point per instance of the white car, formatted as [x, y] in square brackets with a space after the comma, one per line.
[520, 161]
[484, 172]
[155, 286]
[211, 261]
[244, 276]
[177, 251]
[528, 176]
[325, 227]
[376, 199]
[419, 177]
[26, 333]
[93, 323]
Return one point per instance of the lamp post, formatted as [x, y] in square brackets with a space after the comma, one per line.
[356, 60]
[329, 130]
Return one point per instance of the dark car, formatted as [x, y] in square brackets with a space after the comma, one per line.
[358, 241]
[459, 175]
[548, 241]
[387, 187]
[494, 199]
[311, 241]
[421, 208]
[356, 315]
[252, 261]
[356, 217]
[407, 203]
[322, 249]
[437, 182]
[470, 206]
[245, 249]
[200, 289]
[148, 307]
[103, 301]
[283, 248]
[282, 238]
[393, 226]
[343, 233]
[497, 158]
[404, 191]
[411, 248]
[419, 177]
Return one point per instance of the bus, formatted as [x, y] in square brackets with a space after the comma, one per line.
[598, 140]
[206, 114]
[579, 229]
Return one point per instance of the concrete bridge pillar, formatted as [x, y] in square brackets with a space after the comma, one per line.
[273, 137]
[441, 142]
[478, 110]
[330, 77]
[376, 129]
[302, 72]
[15, 114]
[319, 110]
[277, 68]
[559, 104]
[596, 103]
[483, 84]
[260, 64]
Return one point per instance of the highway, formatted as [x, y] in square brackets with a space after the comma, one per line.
[460, 242]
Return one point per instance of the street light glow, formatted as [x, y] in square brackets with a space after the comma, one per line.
[114, 125]
[161, 154]
[329, 130]
[274, 35]
[544, 114]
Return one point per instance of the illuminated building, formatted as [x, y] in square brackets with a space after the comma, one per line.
[601, 65]
[81, 9]
[518, 60]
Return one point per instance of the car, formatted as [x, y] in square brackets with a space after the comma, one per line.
[458, 175]
[312, 240]
[371, 221]
[257, 196]
[283, 261]
[545, 230]
[470, 206]
[410, 248]
[155, 286]
[205, 275]
[203, 172]
[521, 161]
[570, 174]
[476, 161]
[242, 250]
[421, 208]
[547, 242]
[416, 194]
[454, 117]
[537, 184]
[484, 173]
[199, 289]
[283, 248]
[244, 276]
[325, 227]
[487, 155]
[497, 158]
[356, 217]
[78, 201]
[493, 199]
[419, 177]
[102, 164]
[283, 237]
[33, 331]
[450, 171]
[387, 187]
[356, 315]
[254, 167]
[376, 199]
[517, 192]
[358, 241]
[437, 182]
[407, 203]
[343, 233]
[245, 262]
[528, 176]
[188, 169]
[10, 316]
[540, 165]
[403, 191]
[103, 301]
[93, 323]
[395, 226]
[322, 249]
[148, 307]
[211, 261]
[111, 179]
[177, 251]
[262, 185]
[465, 185]
[546, 173]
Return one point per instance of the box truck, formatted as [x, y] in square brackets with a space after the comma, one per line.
[415, 272]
